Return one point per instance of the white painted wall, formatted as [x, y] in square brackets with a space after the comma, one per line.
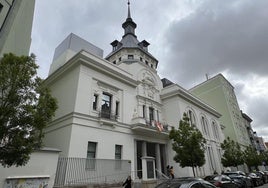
[75, 89]
[173, 108]
[42, 164]
[64, 89]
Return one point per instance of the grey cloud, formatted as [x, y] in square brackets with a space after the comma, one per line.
[255, 107]
[220, 36]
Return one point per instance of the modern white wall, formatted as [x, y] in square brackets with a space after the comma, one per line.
[40, 169]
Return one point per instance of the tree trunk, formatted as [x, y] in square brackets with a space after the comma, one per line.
[193, 170]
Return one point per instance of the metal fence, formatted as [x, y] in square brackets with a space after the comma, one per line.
[82, 171]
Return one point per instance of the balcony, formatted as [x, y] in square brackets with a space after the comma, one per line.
[107, 117]
[149, 128]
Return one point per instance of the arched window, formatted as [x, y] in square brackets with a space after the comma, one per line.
[215, 130]
[191, 117]
[204, 124]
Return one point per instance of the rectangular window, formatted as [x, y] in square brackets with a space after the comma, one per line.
[91, 155]
[215, 130]
[117, 108]
[211, 157]
[95, 102]
[118, 156]
[143, 111]
[151, 114]
[130, 56]
[106, 105]
[118, 151]
[219, 153]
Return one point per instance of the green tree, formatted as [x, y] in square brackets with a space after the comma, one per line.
[25, 108]
[189, 144]
[264, 157]
[252, 158]
[233, 155]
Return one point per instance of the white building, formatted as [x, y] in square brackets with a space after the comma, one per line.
[111, 108]
[16, 18]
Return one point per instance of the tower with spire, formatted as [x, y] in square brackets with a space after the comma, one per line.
[130, 49]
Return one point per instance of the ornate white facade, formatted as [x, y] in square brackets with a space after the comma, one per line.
[119, 108]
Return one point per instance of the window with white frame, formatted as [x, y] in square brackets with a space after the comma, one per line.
[151, 114]
[118, 156]
[143, 111]
[118, 151]
[130, 56]
[211, 157]
[91, 155]
[204, 125]
[95, 101]
[219, 153]
[215, 130]
[117, 108]
[191, 117]
[106, 104]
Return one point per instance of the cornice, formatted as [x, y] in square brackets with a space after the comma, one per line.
[180, 92]
[94, 62]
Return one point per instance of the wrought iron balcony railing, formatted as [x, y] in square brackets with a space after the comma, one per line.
[108, 115]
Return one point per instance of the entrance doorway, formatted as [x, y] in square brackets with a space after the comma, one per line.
[150, 149]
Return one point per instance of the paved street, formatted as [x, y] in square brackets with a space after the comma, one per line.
[264, 186]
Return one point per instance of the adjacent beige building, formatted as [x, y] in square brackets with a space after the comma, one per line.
[16, 18]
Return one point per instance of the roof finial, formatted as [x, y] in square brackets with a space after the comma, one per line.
[128, 3]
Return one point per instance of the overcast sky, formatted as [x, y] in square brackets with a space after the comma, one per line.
[190, 38]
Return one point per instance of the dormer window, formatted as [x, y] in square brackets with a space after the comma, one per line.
[130, 56]
[115, 44]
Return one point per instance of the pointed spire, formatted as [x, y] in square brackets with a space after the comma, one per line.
[128, 4]
[129, 26]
